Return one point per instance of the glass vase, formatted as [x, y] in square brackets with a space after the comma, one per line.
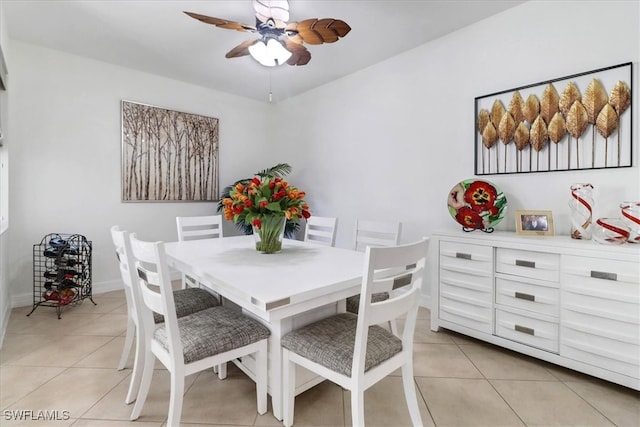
[269, 234]
[581, 204]
[630, 214]
[610, 231]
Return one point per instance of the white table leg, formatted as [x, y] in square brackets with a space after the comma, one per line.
[278, 329]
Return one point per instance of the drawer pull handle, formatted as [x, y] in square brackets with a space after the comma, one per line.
[527, 297]
[604, 275]
[523, 263]
[462, 255]
[524, 330]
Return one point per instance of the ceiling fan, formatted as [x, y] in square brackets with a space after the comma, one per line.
[277, 41]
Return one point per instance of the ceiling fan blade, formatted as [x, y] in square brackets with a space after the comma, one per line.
[278, 10]
[242, 49]
[299, 54]
[318, 31]
[222, 23]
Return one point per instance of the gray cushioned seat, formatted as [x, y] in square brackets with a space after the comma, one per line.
[188, 301]
[330, 343]
[213, 331]
[353, 303]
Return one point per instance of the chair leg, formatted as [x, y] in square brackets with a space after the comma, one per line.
[394, 327]
[145, 382]
[261, 377]
[410, 394]
[138, 368]
[222, 370]
[175, 401]
[128, 343]
[357, 407]
[288, 388]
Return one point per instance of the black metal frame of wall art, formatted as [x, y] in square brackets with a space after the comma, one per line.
[581, 121]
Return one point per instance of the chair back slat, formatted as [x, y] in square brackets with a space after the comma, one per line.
[376, 234]
[199, 227]
[321, 230]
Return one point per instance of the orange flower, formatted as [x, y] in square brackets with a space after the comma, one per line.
[227, 201]
[239, 187]
[228, 214]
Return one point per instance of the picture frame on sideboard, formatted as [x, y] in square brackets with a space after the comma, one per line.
[534, 223]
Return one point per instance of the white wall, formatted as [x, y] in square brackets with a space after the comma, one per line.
[391, 141]
[388, 142]
[65, 154]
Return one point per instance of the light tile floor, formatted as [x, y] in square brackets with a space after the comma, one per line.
[70, 365]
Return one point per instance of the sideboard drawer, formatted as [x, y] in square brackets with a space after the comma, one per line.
[528, 296]
[527, 330]
[603, 273]
[472, 259]
[535, 265]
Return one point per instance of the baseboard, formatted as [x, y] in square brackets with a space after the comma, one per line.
[24, 300]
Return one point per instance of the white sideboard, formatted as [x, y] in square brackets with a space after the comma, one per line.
[575, 303]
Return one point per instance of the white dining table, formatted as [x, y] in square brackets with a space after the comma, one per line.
[302, 283]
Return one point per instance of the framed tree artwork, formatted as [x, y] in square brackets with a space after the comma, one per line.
[168, 156]
[581, 121]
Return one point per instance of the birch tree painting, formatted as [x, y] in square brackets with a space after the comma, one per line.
[168, 155]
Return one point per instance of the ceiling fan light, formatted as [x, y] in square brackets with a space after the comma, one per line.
[270, 54]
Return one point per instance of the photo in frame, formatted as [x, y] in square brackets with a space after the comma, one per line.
[534, 223]
[168, 156]
[581, 121]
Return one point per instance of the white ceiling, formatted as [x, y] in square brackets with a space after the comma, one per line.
[156, 37]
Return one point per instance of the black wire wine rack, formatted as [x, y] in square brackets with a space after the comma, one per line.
[61, 271]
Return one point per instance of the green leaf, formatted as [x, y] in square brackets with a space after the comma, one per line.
[279, 170]
[274, 207]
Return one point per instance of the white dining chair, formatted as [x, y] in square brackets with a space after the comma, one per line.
[352, 350]
[321, 230]
[374, 234]
[187, 301]
[195, 228]
[191, 343]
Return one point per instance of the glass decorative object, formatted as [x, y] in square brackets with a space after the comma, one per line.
[630, 214]
[269, 234]
[581, 204]
[610, 231]
[477, 205]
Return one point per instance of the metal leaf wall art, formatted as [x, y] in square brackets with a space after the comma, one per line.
[567, 123]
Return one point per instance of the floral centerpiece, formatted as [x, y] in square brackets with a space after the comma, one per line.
[266, 203]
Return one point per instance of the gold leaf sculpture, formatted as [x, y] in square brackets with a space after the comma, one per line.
[497, 111]
[521, 140]
[556, 128]
[538, 136]
[506, 128]
[556, 131]
[569, 95]
[549, 103]
[489, 135]
[516, 107]
[620, 99]
[595, 97]
[607, 121]
[483, 119]
[577, 119]
[521, 136]
[531, 108]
